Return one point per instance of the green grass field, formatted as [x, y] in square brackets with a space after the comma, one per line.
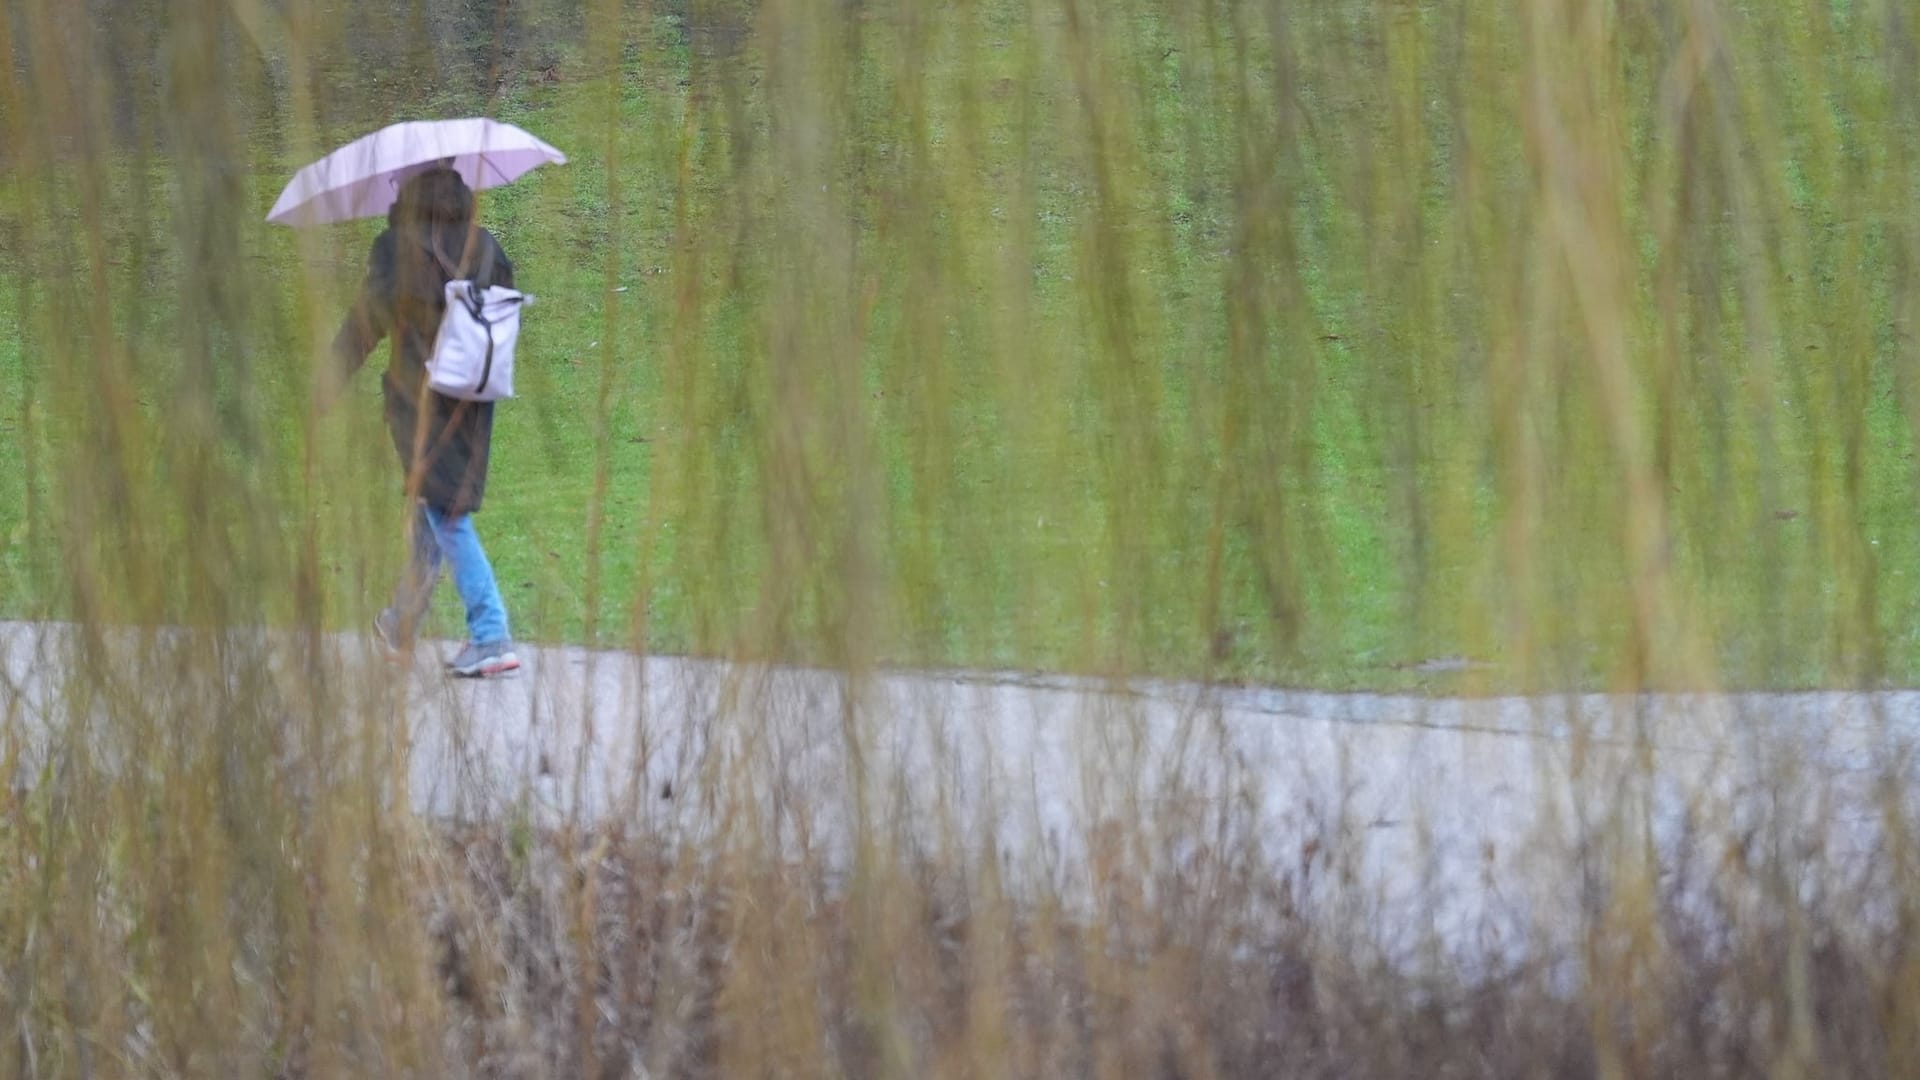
[1210, 381]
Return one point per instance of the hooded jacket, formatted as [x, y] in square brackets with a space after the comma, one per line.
[443, 443]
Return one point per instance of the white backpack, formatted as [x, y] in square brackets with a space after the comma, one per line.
[473, 352]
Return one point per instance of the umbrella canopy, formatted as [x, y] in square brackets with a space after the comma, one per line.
[362, 178]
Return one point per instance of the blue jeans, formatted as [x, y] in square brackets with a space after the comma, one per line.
[450, 538]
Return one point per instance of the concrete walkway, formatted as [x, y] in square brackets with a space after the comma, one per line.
[1452, 809]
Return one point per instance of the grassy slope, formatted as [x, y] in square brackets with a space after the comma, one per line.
[1045, 504]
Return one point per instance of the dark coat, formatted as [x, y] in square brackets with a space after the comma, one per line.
[443, 459]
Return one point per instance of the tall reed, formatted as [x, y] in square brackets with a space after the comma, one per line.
[1369, 343]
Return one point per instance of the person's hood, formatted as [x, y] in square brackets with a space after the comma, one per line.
[435, 199]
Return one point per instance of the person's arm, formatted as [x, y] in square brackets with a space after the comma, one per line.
[367, 322]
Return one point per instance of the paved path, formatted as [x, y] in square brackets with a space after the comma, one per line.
[1449, 807]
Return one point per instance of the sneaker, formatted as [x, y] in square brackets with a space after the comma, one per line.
[485, 661]
[386, 631]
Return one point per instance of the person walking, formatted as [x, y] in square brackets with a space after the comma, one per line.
[443, 443]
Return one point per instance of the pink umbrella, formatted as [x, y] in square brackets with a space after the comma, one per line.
[362, 178]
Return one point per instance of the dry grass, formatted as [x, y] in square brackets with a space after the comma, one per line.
[1239, 340]
[598, 954]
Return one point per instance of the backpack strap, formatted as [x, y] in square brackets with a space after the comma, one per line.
[477, 248]
[446, 264]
